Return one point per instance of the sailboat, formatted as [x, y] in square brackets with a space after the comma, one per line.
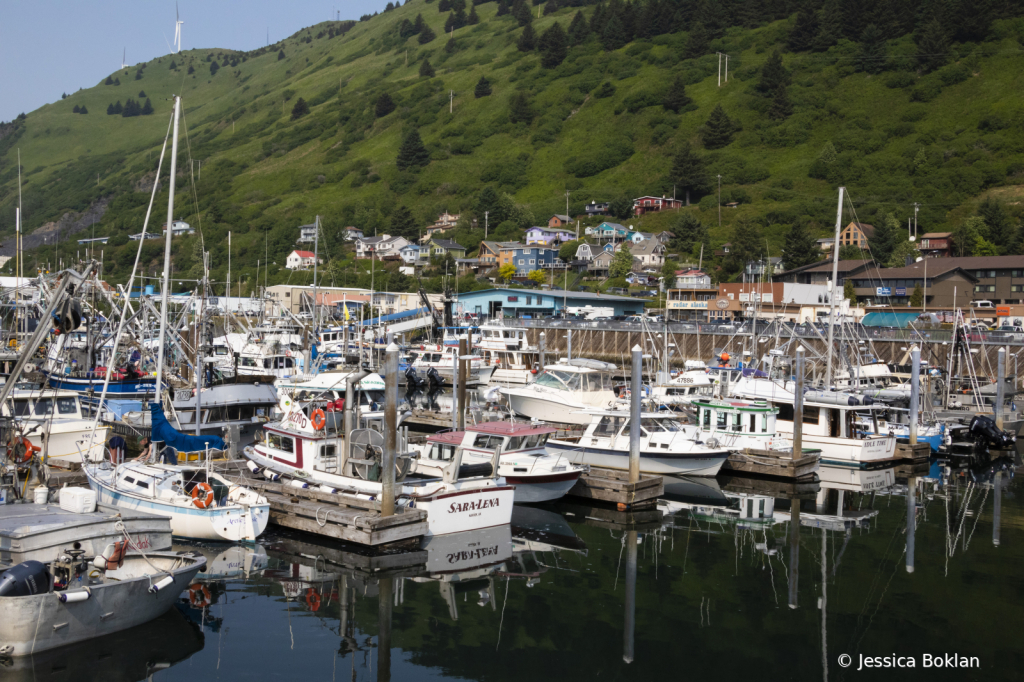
[201, 504]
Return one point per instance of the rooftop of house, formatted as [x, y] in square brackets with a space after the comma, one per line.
[647, 247]
[304, 254]
[691, 273]
[826, 266]
[450, 244]
[868, 230]
[375, 240]
[937, 235]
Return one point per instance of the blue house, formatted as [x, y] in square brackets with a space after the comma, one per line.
[528, 258]
[608, 231]
[533, 304]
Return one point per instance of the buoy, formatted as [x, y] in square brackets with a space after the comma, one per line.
[21, 450]
[312, 599]
[318, 419]
[202, 495]
[198, 595]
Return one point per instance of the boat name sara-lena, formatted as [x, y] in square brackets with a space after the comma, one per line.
[473, 506]
[472, 554]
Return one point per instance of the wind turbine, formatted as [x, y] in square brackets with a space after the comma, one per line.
[123, 55]
[177, 29]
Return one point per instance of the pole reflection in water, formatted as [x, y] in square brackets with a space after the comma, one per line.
[630, 624]
[911, 520]
[997, 507]
[794, 550]
[824, 604]
[384, 603]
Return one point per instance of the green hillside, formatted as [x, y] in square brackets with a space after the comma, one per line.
[925, 109]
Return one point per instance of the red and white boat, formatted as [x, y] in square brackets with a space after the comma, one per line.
[524, 460]
[309, 446]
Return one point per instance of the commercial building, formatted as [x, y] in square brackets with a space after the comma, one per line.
[533, 304]
[946, 282]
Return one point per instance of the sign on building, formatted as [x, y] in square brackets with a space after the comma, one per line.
[883, 291]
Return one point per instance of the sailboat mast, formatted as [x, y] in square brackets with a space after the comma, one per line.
[165, 282]
[835, 292]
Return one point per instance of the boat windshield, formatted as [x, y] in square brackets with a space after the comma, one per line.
[554, 378]
[64, 406]
[597, 381]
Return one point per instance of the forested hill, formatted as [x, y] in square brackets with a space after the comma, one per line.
[385, 122]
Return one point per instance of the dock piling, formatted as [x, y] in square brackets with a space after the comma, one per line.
[387, 500]
[798, 404]
[911, 519]
[915, 392]
[541, 347]
[630, 623]
[1000, 387]
[463, 367]
[635, 399]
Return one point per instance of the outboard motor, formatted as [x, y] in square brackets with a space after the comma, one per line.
[984, 429]
[25, 579]
[434, 378]
[413, 380]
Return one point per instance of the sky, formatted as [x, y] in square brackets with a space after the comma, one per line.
[49, 47]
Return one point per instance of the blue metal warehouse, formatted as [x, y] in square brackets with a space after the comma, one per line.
[534, 304]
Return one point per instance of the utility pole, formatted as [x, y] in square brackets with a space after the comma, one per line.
[719, 68]
[726, 68]
[486, 213]
[451, 101]
[567, 204]
[916, 207]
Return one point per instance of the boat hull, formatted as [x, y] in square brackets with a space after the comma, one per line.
[702, 464]
[232, 523]
[544, 488]
[40, 622]
[67, 442]
[547, 408]
[117, 388]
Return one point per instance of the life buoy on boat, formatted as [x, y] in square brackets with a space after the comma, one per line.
[20, 450]
[198, 595]
[312, 599]
[202, 495]
[318, 418]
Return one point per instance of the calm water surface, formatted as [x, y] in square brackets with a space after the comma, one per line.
[722, 589]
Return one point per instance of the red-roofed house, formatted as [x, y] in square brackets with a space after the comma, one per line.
[300, 260]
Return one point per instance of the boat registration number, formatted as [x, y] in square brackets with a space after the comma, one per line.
[182, 395]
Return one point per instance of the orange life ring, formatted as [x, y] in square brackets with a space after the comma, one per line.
[198, 595]
[312, 599]
[26, 450]
[318, 419]
[202, 495]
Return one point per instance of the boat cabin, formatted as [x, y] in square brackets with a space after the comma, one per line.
[750, 418]
[489, 437]
[50, 404]
[570, 378]
[169, 484]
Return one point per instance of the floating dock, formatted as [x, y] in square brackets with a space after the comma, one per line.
[612, 486]
[774, 463]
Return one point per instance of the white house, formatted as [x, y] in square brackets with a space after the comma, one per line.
[300, 260]
[179, 228]
[352, 233]
[390, 247]
[410, 253]
[650, 253]
[307, 233]
[692, 279]
[584, 253]
[365, 246]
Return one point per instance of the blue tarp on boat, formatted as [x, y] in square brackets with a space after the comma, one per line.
[396, 316]
[162, 430]
[900, 320]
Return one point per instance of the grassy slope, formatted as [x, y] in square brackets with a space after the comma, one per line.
[279, 191]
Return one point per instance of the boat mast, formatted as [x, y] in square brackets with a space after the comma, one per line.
[832, 298]
[165, 282]
[316, 257]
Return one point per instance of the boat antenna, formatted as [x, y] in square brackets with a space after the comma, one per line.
[165, 281]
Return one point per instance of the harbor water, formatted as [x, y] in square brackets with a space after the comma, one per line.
[713, 584]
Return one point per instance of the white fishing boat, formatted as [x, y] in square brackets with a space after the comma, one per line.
[331, 386]
[667, 446]
[44, 606]
[684, 388]
[564, 391]
[53, 422]
[508, 352]
[537, 475]
[311, 449]
[442, 357]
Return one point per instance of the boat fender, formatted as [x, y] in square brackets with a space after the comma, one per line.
[74, 597]
[202, 495]
[298, 484]
[253, 466]
[270, 475]
[319, 419]
[328, 489]
[157, 586]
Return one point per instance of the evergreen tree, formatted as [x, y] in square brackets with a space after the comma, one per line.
[426, 35]
[689, 174]
[138, 75]
[773, 74]
[553, 46]
[872, 56]
[426, 70]
[117, 81]
[676, 97]
[997, 220]
[830, 27]
[473, 19]
[487, 201]
[418, 25]
[403, 224]
[747, 245]
[849, 293]
[523, 14]
[214, 66]
[280, 55]
[519, 109]
[191, 69]
[578, 29]
[502, 8]
[527, 41]
[75, 110]
[412, 153]
[173, 65]
[885, 238]
[300, 109]
[613, 35]
[688, 232]
[83, 110]
[801, 248]
[405, 29]
[932, 46]
[451, 46]
[852, 19]
[697, 42]
[802, 35]
[384, 106]
[780, 108]
[917, 297]
[444, 6]
[903, 249]
[551, 7]
[142, 93]
[483, 88]
[110, 110]
[885, 20]
[718, 129]
[147, 108]
[109, 81]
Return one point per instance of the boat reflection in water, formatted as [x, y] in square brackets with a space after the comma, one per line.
[129, 655]
[228, 563]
